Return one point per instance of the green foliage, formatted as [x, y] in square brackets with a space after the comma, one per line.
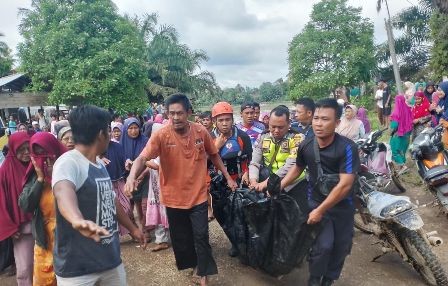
[439, 52]
[334, 49]
[83, 51]
[6, 60]
[414, 43]
[273, 91]
[172, 66]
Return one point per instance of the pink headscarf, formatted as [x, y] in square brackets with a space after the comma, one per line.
[362, 115]
[158, 118]
[263, 115]
[402, 114]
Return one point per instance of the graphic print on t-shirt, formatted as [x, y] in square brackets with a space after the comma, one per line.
[106, 210]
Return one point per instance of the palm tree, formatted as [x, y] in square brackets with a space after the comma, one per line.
[172, 66]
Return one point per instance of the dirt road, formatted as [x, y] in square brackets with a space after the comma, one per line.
[146, 268]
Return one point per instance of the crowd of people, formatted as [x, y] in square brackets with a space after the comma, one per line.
[69, 189]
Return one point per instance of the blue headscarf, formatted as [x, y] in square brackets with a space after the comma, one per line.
[115, 154]
[132, 146]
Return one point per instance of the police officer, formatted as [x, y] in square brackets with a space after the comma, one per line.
[275, 150]
[335, 210]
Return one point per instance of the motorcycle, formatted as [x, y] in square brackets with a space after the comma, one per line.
[431, 159]
[396, 223]
[376, 163]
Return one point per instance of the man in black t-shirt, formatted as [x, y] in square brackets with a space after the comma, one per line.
[338, 155]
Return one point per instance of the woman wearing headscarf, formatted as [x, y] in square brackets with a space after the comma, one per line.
[155, 212]
[409, 91]
[443, 104]
[429, 90]
[362, 115]
[264, 118]
[401, 126]
[64, 134]
[116, 129]
[37, 198]
[114, 159]
[133, 142]
[350, 126]
[420, 113]
[14, 222]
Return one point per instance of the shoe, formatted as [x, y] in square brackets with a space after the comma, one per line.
[327, 281]
[314, 281]
[234, 252]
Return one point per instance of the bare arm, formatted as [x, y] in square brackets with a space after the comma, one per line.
[339, 192]
[137, 168]
[290, 177]
[151, 164]
[124, 220]
[216, 160]
[65, 196]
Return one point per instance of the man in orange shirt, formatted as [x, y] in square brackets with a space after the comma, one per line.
[183, 147]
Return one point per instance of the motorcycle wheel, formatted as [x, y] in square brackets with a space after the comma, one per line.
[422, 259]
[364, 225]
[396, 181]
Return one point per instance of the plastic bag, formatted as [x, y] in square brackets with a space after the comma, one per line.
[280, 238]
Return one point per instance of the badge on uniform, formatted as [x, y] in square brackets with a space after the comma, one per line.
[298, 138]
[266, 145]
[229, 145]
[285, 147]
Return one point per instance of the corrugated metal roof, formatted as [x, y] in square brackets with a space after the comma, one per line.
[9, 78]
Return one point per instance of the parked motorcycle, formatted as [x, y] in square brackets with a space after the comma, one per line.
[376, 163]
[431, 159]
[396, 223]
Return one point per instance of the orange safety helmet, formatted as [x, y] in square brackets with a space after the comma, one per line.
[221, 108]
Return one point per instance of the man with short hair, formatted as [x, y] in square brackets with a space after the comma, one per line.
[183, 147]
[42, 120]
[249, 125]
[304, 115]
[256, 111]
[206, 120]
[335, 211]
[275, 150]
[87, 246]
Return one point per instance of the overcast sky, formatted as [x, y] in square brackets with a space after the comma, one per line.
[246, 40]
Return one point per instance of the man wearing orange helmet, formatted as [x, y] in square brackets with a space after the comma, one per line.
[235, 150]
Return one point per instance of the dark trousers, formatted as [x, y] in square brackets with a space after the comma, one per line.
[333, 243]
[190, 239]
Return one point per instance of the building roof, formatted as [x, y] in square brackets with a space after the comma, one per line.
[14, 82]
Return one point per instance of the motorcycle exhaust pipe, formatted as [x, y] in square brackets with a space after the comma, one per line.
[435, 240]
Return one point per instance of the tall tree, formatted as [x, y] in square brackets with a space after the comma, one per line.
[6, 60]
[439, 51]
[334, 49]
[172, 66]
[83, 51]
[414, 44]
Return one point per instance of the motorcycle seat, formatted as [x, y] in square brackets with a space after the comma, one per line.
[437, 176]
